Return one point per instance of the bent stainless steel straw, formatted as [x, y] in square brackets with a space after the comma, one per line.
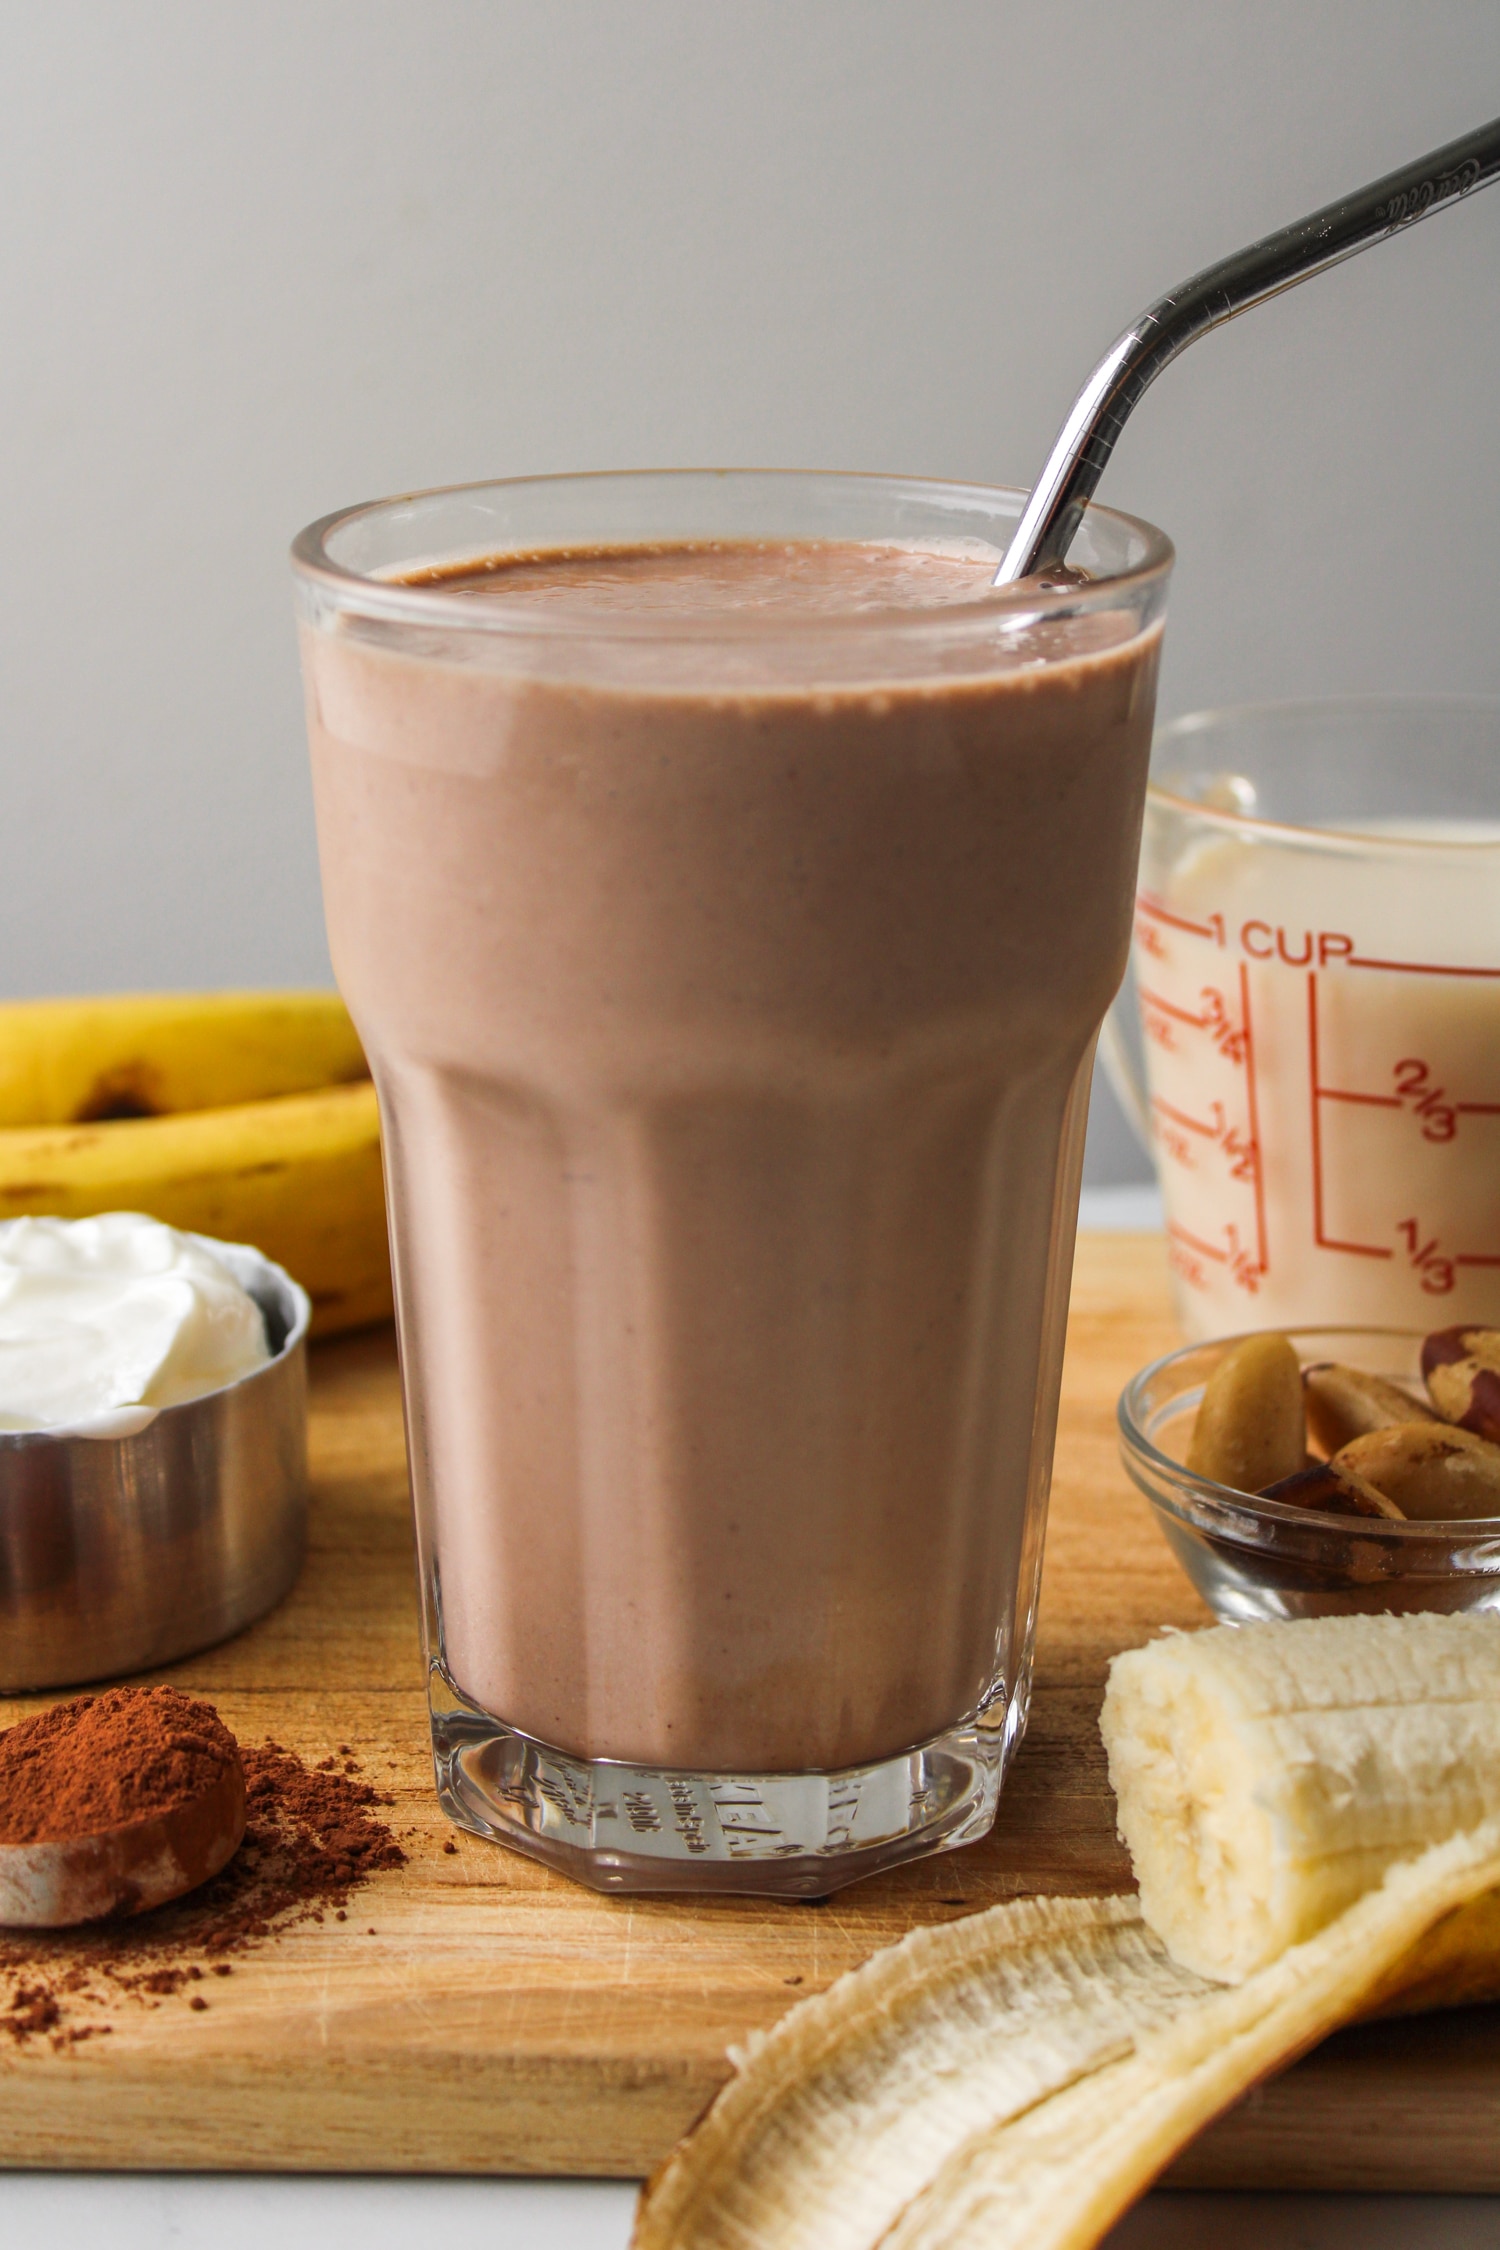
[1279, 261]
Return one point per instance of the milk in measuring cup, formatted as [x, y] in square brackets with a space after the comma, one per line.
[1322, 1033]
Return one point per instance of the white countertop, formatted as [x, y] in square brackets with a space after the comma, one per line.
[245, 2211]
[238, 2211]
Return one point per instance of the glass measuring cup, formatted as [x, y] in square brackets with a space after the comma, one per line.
[1309, 1042]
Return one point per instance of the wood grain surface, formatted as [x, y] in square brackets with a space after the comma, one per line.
[478, 2014]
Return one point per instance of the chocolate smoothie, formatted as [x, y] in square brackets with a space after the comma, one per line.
[731, 990]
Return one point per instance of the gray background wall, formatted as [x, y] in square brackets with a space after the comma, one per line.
[258, 262]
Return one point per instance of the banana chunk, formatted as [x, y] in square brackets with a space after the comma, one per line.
[1267, 1775]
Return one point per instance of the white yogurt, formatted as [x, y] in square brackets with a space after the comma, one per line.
[118, 1312]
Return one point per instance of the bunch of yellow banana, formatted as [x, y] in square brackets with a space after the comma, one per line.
[246, 1115]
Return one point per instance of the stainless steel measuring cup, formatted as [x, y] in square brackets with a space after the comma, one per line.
[119, 1553]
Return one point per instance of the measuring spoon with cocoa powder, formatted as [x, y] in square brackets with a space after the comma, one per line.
[115, 1803]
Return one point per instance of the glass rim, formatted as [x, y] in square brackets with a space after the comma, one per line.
[1131, 1424]
[393, 600]
[1303, 834]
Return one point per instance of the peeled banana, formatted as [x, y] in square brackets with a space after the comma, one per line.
[248, 1116]
[1014, 2080]
[1266, 1775]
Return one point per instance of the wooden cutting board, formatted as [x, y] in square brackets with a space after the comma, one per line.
[499, 2019]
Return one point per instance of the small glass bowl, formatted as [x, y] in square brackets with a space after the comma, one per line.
[1255, 1559]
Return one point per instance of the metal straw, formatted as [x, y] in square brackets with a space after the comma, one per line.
[1338, 231]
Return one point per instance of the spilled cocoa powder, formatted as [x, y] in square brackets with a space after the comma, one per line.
[313, 1835]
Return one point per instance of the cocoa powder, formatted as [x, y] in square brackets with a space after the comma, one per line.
[104, 1761]
[313, 1836]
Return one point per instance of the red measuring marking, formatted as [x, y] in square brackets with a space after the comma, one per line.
[1428, 1103]
[1204, 1249]
[1169, 1008]
[1236, 1044]
[1242, 1266]
[1159, 913]
[1317, 1094]
[1228, 1037]
[1212, 1132]
[1242, 1155]
[1426, 1259]
[1254, 1121]
[1416, 968]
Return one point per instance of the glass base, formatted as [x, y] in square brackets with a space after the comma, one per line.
[620, 1827]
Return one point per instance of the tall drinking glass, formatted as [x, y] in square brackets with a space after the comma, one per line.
[727, 885]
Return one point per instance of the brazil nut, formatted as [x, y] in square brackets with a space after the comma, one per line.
[1344, 1402]
[1334, 1492]
[1461, 1367]
[1434, 1473]
[1251, 1429]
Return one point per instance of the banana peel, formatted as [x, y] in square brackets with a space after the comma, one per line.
[1014, 2080]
